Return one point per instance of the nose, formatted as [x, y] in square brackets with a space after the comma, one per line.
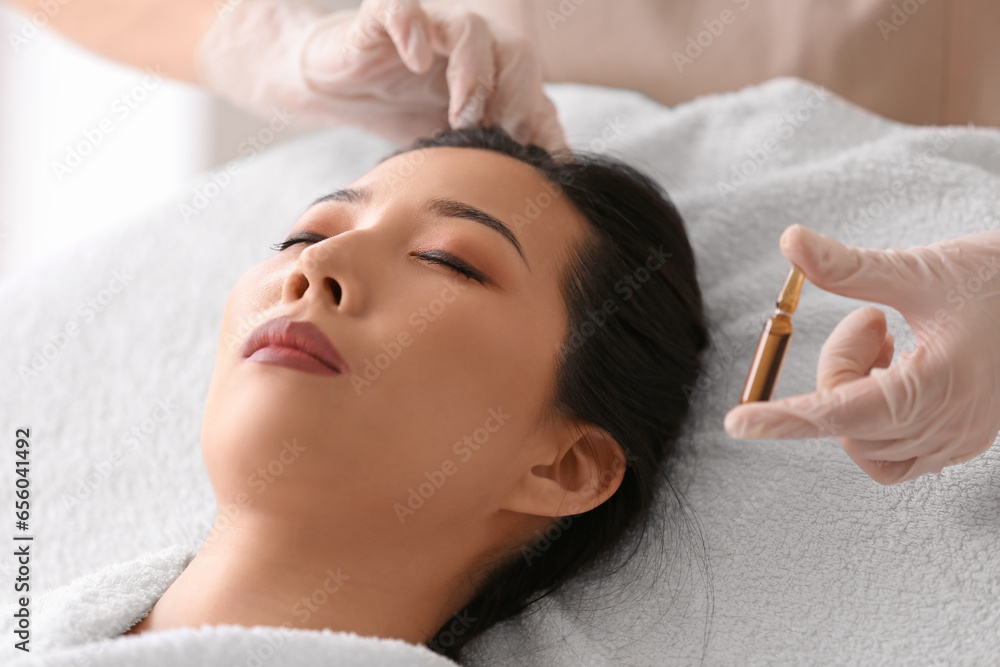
[325, 273]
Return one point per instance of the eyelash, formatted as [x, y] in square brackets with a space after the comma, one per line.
[436, 256]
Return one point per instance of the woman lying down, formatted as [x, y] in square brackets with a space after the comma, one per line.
[447, 386]
[530, 378]
[470, 405]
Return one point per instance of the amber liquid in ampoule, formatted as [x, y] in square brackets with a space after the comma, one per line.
[773, 343]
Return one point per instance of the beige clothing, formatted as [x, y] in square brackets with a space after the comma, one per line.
[918, 61]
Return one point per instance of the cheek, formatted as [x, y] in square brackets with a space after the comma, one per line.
[493, 349]
[475, 382]
[250, 302]
[519, 343]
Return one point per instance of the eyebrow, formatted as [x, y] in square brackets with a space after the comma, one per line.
[449, 208]
[349, 195]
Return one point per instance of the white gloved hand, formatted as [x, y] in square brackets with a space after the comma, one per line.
[939, 404]
[389, 67]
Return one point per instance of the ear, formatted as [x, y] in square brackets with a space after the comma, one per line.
[582, 468]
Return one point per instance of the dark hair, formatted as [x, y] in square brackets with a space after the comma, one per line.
[627, 370]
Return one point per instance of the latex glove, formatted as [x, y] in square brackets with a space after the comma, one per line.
[939, 404]
[389, 67]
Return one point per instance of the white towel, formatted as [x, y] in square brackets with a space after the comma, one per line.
[809, 560]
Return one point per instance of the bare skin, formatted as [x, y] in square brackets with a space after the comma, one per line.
[329, 525]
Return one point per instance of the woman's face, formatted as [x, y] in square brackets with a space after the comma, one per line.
[435, 421]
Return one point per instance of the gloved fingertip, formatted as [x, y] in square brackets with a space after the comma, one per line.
[469, 115]
[548, 133]
[733, 425]
[738, 425]
[520, 130]
[797, 238]
[883, 357]
[557, 144]
[809, 250]
[787, 239]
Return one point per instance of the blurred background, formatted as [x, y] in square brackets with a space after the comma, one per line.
[87, 144]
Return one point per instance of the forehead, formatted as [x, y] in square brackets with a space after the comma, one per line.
[541, 217]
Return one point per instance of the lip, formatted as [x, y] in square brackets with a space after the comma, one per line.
[295, 343]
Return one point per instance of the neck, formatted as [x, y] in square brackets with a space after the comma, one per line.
[260, 570]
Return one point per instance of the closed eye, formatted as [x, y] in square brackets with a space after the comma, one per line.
[301, 237]
[433, 256]
[455, 264]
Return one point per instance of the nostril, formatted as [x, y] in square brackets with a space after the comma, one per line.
[335, 287]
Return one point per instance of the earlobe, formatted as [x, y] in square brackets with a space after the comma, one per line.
[584, 472]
